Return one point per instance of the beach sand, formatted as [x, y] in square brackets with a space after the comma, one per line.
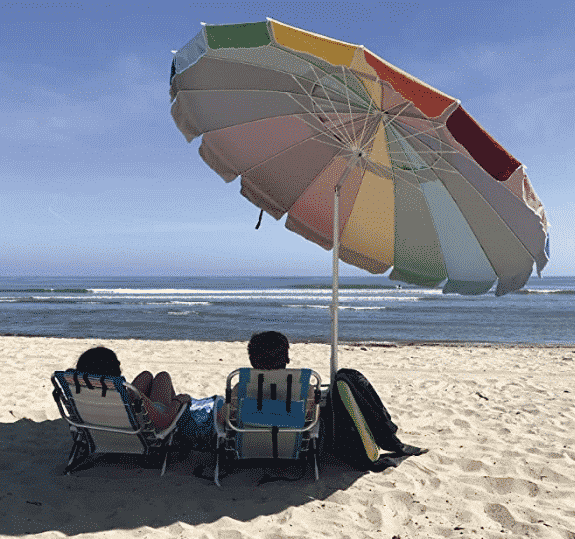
[499, 422]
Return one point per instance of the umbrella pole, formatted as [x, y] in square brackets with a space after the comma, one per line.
[334, 307]
[334, 288]
[335, 282]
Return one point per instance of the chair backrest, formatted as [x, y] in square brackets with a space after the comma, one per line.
[110, 415]
[271, 400]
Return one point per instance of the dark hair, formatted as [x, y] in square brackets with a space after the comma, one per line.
[99, 360]
[268, 350]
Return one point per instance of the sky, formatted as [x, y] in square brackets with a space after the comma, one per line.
[96, 179]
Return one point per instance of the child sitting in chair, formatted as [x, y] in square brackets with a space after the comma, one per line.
[267, 351]
[160, 399]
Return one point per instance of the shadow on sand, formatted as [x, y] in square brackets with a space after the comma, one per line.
[124, 492]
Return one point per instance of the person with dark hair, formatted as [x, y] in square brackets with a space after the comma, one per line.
[160, 399]
[99, 360]
[268, 350]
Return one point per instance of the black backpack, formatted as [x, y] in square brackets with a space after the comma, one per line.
[352, 443]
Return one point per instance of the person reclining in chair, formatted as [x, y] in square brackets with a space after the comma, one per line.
[160, 399]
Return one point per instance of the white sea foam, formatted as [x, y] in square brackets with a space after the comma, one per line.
[204, 291]
[317, 306]
[352, 308]
[341, 307]
[190, 303]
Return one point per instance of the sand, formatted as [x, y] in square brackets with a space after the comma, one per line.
[499, 422]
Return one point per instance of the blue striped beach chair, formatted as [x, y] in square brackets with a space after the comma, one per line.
[272, 416]
[106, 414]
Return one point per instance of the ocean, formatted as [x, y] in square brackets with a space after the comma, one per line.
[372, 309]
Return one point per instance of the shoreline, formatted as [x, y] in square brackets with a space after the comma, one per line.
[374, 344]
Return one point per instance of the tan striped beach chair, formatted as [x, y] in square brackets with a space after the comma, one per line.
[273, 416]
[107, 415]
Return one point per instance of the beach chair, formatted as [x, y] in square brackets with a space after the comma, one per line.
[107, 415]
[270, 417]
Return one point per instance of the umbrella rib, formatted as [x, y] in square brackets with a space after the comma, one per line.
[399, 137]
[371, 101]
[314, 114]
[313, 67]
[438, 153]
[429, 131]
[327, 133]
[311, 112]
[334, 109]
[390, 118]
[318, 81]
[347, 95]
[372, 137]
[343, 135]
[402, 140]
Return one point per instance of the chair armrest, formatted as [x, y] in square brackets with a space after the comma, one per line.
[219, 426]
[165, 432]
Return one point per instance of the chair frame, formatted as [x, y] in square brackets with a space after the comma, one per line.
[152, 441]
[226, 433]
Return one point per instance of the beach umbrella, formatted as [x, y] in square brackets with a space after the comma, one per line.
[361, 156]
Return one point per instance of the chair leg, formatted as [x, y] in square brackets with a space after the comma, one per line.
[166, 452]
[79, 453]
[217, 468]
[314, 459]
[73, 452]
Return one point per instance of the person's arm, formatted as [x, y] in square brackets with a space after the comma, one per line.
[310, 407]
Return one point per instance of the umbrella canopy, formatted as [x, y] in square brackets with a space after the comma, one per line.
[361, 156]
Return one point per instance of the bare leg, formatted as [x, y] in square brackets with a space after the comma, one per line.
[143, 382]
[162, 389]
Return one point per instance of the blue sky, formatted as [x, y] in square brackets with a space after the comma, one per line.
[95, 178]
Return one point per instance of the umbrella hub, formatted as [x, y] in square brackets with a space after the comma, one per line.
[356, 151]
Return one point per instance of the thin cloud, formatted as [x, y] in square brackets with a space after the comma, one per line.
[55, 214]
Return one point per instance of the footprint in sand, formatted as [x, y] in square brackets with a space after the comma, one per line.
[461, 423]
[499, 513]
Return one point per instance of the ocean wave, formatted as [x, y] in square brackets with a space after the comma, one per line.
[346, 286]
[45, 290]
[315, 291]
[190, 303]
[61, 300]
[294, 306]
[340, 307]
[352, 308]
[564, 291]
[197, 291]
